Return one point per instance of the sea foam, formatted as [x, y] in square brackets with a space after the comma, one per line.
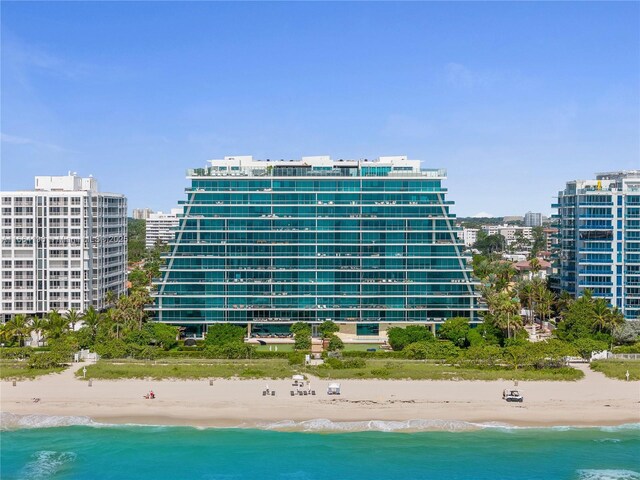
[326, 425]
[46, 464]
[11, 421]
[611, 474]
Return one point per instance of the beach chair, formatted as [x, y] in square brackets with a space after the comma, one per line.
[292, 393]
[313, 392]
[264, 392]
[273, 393]
[305, 392]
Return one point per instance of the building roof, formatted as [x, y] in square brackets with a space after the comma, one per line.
[526, 265]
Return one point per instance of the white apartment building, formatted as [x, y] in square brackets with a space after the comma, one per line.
[141, 213]
[533, 219]
[64, 246]
[468, 235]
[508, 231]
[160, 227]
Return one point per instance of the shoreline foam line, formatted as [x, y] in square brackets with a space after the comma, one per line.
[10, 421]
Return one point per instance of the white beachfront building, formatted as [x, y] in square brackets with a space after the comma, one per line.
[64, 246]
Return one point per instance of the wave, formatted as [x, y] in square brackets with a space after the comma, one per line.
[611, 474]
[10, 421]
[415, 425]
[46, 464]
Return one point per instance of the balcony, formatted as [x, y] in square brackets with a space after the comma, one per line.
[589, 283]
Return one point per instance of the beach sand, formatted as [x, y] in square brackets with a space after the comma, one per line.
[592, 401]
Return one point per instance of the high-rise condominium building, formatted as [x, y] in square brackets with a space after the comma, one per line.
[160, 227]
[366, 244]
[599, 238]
[141, 213]
[64, 246]
[532, 219]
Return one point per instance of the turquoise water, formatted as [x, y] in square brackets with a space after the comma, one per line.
[143, 452]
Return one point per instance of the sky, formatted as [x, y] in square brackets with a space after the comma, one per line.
[513, 99]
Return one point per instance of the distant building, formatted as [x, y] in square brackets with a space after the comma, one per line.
[512, 219]
[508, 231]
[64, 246]
[599, 239]
[550, 234]
[160, 227]
[525, 269]
[533, 219]
[468, 235]
[141, 213]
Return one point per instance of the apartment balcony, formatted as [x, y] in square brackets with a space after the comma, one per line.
[589, 283]
[587, 261]
[595, 272]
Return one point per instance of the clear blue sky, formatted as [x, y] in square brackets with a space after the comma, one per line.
[512, 98]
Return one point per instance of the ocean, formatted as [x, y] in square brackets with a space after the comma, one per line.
[38, 447]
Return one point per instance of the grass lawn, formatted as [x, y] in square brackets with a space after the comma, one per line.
[618, 368]
[11, 369]
[280, 368]
[185, 369]
[418, 370]
[360, 347]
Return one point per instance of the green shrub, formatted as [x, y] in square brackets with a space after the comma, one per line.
[635, 348]
[113, 348]
[16, 352]
[43, 361]
[585, 346]
[335, 343]
[296, 358]
[234, 350]
[338, 364]
[223, 333]
[328, 328]
[401, 337]
[455, 330]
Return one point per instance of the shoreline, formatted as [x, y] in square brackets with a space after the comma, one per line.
[386, 405]
[10, 421]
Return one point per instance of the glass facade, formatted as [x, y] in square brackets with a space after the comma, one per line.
[279, 242]
[599, 239]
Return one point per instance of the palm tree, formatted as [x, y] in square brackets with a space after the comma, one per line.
[604, 319]
[616, 319]
[19, 327]
[57, 325]
[110, 298]
[506, 310]
[544, 304]
[563, 302]
[73, 317]
[92, 319]
[525, 292]
[118, 323]
[39, 325]
[535, 265]
[600, 314]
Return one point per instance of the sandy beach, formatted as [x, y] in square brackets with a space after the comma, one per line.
[594, 400]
